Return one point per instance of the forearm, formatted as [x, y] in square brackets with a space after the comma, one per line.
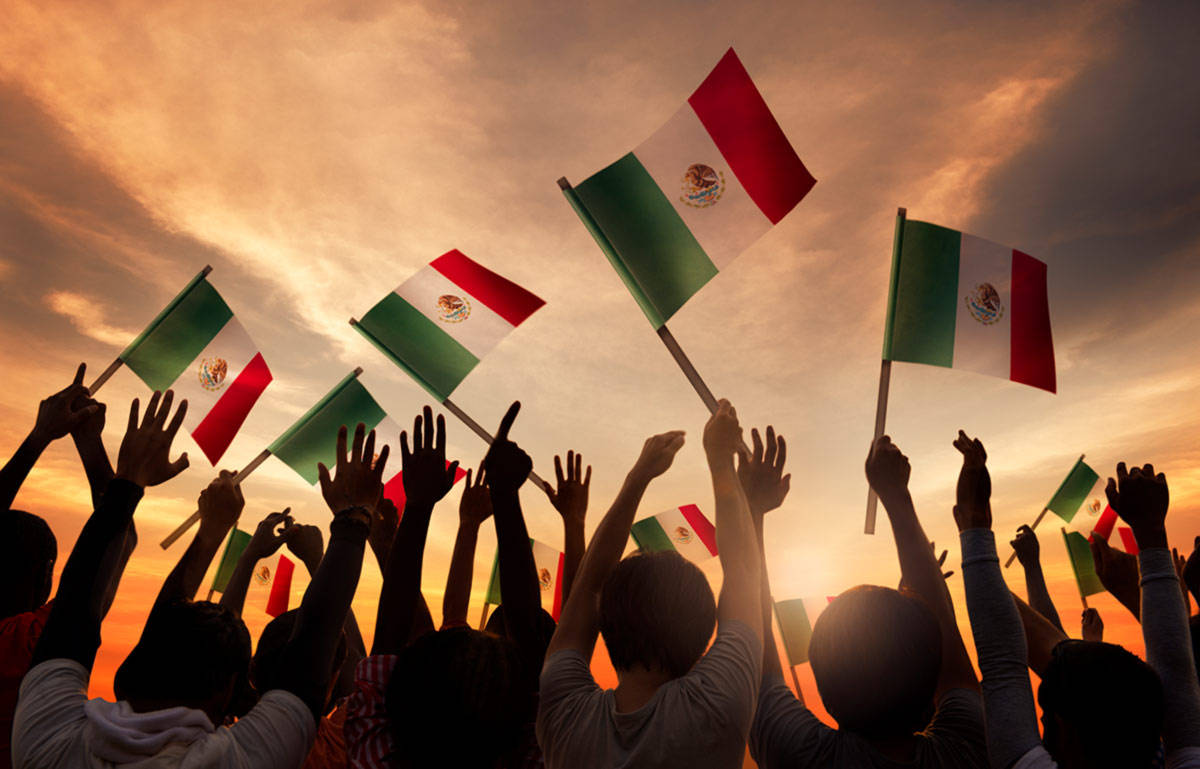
[402, 582]
[1039, 595]
[96, 464]
[73, 629]
[1168, 647]
[737, 544]
[573, 546]
[1012, 728]
[233, 596]
[458, 581]
[518, 573]
[113, 566]
[16, 470]
[184, 580]
[771, 666]
[1040, 635]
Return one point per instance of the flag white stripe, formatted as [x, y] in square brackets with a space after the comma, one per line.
[686, 542]
[479, 329]
[233, 346]
[983, 345]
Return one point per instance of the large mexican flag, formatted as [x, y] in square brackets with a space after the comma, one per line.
[196, 347]
[439, 323]
[694, 195]
[964, 302]
[683, 529]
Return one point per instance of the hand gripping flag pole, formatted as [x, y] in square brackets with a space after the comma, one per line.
[1042, 515]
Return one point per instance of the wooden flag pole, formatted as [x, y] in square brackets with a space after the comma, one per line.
[688, 369]
[1046, 509]
[194, 517]
[885, 368]
[795, 681]
[487, 437]
[483, 616]
[105, 375]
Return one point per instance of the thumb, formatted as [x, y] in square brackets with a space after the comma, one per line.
[178, 466]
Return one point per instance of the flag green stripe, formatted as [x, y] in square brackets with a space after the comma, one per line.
[177, 336]
[649, 536]
[433, 357]
[921, 325]
[234, 546]
[493, 591]
[1073, 492]
[655, 246]
[795, 629]
[314, 438]
[1080, 554]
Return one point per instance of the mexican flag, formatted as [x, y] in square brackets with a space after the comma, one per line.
[964, 302]
[1082, 503]
[694, 195]
[313, 438]
[797, 616]
[1079, 552]
[279, 578]
[234, 547]
[440, 322]
[196, 347]
[683, 529]
[281, 586]
[549, 564]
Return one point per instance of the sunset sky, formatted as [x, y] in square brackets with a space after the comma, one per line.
[317, 154]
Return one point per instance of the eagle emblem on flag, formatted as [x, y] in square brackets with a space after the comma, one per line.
[262, 575]
[213, 372]
[453, 309]
[985, 304]
[1094, 507]
[545, 579]
[683, 535]
[702, 186]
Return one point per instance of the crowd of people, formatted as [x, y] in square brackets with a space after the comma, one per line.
[699, 677]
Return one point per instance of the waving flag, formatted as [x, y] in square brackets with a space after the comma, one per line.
[694, 195]
[683, 529]
[797, 617]
[549, 564]
[440, 322]
[198, 348]
[1082, 503]
[964, 302]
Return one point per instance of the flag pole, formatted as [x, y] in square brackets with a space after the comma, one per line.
[1046, 509]
[795, 680]
[105, 375]
[885, 367]
[688, 369]
[476, 428]
[194, 517]
[483, 616]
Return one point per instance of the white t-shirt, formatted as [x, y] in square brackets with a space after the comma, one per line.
[50, 730]
[1038, 758]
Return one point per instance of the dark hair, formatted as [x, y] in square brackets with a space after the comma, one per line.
[267, 663]
[657, 611]
[876, 654]
[28, 551]
[188, 652]
[457, 698]
[546, 625]
[1092, 691]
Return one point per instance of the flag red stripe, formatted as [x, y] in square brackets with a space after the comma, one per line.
[281, 587]
[556, 610]
[1032, 343]
[501, 295]
[1128, 539]
[701, 525]
[749, 138]
[1105, 523]
[216, 431]
[393, 489]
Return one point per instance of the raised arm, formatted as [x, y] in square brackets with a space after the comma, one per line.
[474, 508]
[579, 623]
[426, 480]
[1140, 498]
[1029, 554]
[1041, 636]
[888, 472]
[570, 499]
[73, 628]
[220, 504]
[268, 537]
[1118, 572]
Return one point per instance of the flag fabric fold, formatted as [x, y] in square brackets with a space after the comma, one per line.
[683, 529]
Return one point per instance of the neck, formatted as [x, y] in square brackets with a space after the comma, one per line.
[636, 687]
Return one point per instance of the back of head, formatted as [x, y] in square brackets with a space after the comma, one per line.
[458, 697]
[1102, 707]
[546, 625]
[28, 551]
[190, 653]
[656, 612]
[876, 654]
[267, 665]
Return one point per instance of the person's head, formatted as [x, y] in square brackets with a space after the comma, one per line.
[28, 551]
[546, 625]
[657, 613]
[268, 664]
[190, 654]
[458, 697]
[1092, 691]
[876, 654]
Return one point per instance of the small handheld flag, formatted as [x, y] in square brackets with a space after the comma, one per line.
[684, 529]
[549, 564]
[234, 547]
[797, 616]
[281, 587]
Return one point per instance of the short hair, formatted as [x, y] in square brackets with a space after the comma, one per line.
[657, 611]
[458, 697]
[268, 662]
[1091, 691]
[188, 652]
[546, 625]
[876, 654]
[28, 551]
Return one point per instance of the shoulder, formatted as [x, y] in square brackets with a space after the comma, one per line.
[277, 730]
[565, 672]
[568, 699]
[1036, 758]
[959, 711]
[785, 732]
[49, 720]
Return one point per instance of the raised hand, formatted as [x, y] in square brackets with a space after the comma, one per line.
[1118, 572]
[271, 533]
[475, 507]
[888, 469]
[507, 464]
[144, 456]
[358, 480]
[1092, 625]
[761, 474]
[974, 507]
[220, 505]
[384, 523]
[570, 499]
[658, 452]
[722, 433]
[426, 476]
[1026, 546]
[66, 410]
[306, 543]
[1141, 499]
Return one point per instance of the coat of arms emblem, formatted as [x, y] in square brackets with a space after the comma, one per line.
[545, 579]
[453, 309]
[262, 575]
[683, 535]
[1094, 507]
[702, 186]
[985, 304]
[213, 372]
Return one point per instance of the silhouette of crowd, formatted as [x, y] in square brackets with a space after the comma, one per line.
[699, 677]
